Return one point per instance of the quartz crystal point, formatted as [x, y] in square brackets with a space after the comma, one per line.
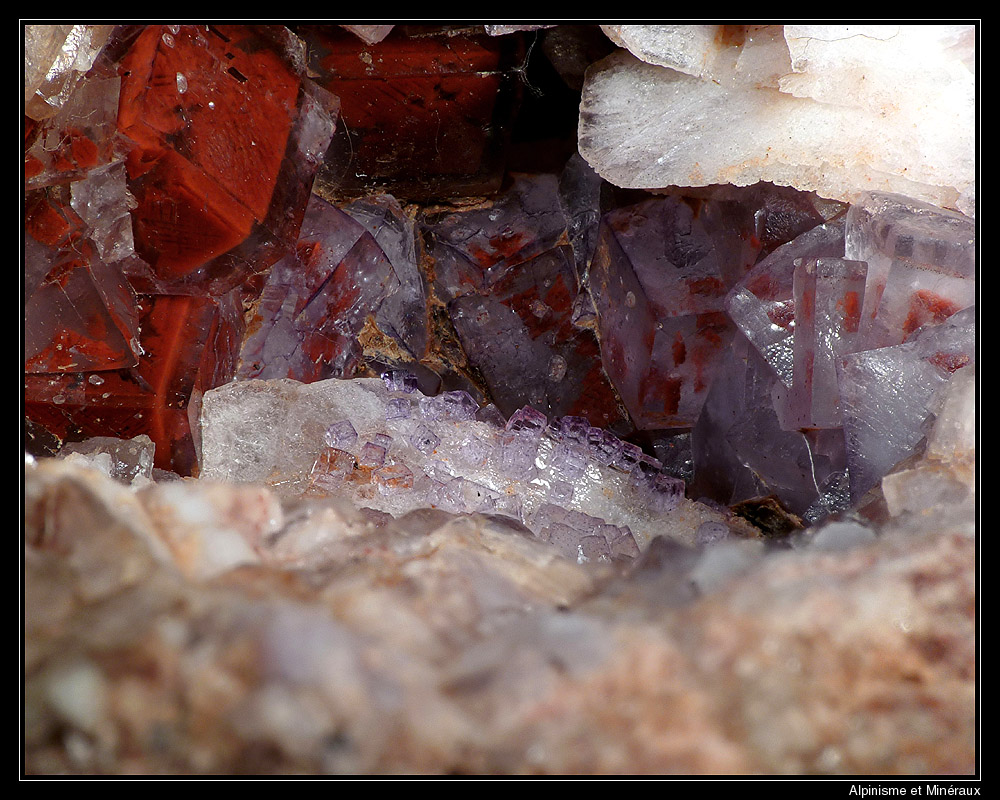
[762, 304]
[649, 126]
[279, 432]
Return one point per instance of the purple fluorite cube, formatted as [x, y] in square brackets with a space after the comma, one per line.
[341, 435]
[604, 446]
[371, 456]
[517, 453]
[424, 439]
[399, 380]
[665, 493]
[560, 492]
[574, 430]
[593, 548]
[628, 458]
[397, 408]
[459, 405]
[567, 462]
[529, 420]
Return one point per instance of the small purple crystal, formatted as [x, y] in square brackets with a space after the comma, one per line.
[371, 456]
[517, 452]
[628, 458]
[574, 430]
[341, 435]
[666, 493]
[397, 408]
[432, 408]
[473, 451]
[620, 540]
[393, 477]
[528, 419]
[424, 440]
[399, 380]
[593, 548]
[604, 447]
[459, 405]
[560, 492]
[491, 414]
[567, 462]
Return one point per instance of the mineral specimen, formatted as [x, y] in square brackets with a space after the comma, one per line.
[825, 110]
[525, 468]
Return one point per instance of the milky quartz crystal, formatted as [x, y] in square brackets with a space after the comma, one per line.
[884, 107]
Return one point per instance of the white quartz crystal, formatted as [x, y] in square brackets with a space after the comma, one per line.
[887, 109]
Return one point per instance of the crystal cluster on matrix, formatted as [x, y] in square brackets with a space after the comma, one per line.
[178, 169]
[418, 342]
[396, 450]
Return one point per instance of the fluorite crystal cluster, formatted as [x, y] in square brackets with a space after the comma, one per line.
[404, 427]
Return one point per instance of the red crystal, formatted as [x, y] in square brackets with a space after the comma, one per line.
[188, 346]
[211, 114]
[423, 116]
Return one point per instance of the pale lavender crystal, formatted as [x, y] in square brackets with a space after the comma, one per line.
[397, 408]
[341, 435]
[371, 456]
[666, 493]
[605, 447]
[473, 451]
[491, 415]
[432, 408]
[593, 548]
[886, 395]
[383, 440]
[567, 462]
[518, 449]
[740, 449]
[403, 315]
[317, 300]
[560, 492]
[711, 532]
[458, 405]
[399, 380]
[620, 540]
[529, 420]
[424, 439]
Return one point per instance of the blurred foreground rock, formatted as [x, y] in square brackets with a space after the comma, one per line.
[188, 627]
